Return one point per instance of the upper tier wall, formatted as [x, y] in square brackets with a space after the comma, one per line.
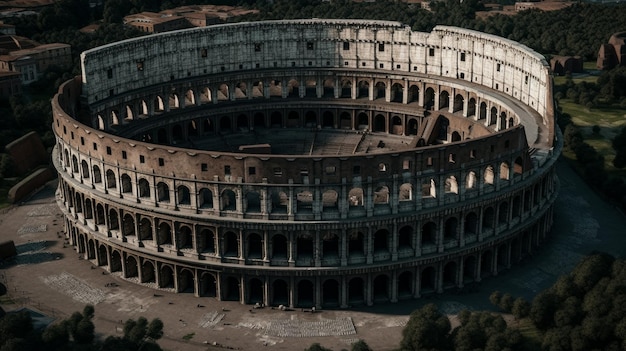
[497, 63]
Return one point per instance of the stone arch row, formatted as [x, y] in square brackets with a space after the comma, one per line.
[318, 247]
[266, 199]
[430, 96]
[322, 291]
[371, 121]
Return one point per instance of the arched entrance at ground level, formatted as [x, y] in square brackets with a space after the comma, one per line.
[280, 295]
[449, 275]
[116, 262]
[381, 288]
[485, 264]
[103, 256]
[131, 270]
[305, 294]
[186, 281]
[427, 281]
[255, 291]
[208, 285]
[330, 293]
[405, 285]
[230, 290]
[356, 293]
[147, 272]
[469, 269]
[166, 277]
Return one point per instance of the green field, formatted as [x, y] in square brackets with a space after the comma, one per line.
[610, 120]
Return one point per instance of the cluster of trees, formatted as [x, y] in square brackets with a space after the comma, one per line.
[76, 333]
[575, 30]
[583, 310]
[357, 346]
[429, 329]
[608, 90]
[592, 163]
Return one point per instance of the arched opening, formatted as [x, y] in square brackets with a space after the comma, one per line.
[503, 213]
[379, 124]
[184, 198]
[230, 290]
[127, 187]
[208, 285]
[293, 119]
[280, 290]
[253, 200]
[116, 262]
[458, 103]
[406, 192]
[255, 291]
[185, 238]
[330, 293]
[356, 291]
[470, 180]
[444, 100]
[488, 218]
[145, 229]
[223, 93]
[346, 88]
[228, 200]
[114, 223]
[163, 192]
[396, 126]
[147, 272]
[363, 89]
[305, 201]
[306, 295]
[449, 275]
[111, 183]
[310, 119]
[206, 198]
[329, 200]
[328, 120]
[186, 281]
[429, 234]
[486, 267]
[255, 247]
[429, 98]
[177, 134]
[450, 232]
[206, 242]
[428, 280]
[412, 125]
[225, 125]
[380, 287]
[379, 90]
[356, 244]
[451, 186]
[280, 249]
[128, 225]
[405, 285]
[381, 195]
[330, 247]
[97, 176]
[471, 107]
[259, 120]
[164, 234]
[345, 120]
[144, 188]
[231, 245]
[469, 269]
[305, 250]
[242, 123]
[397, 92]
[504, 171]
[414, 94]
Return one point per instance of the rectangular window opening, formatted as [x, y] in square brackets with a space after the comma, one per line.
[346, 45]
[251, 170]
[204, 167]
[227, 170]
[108, 150]
[142, 159]
[161, 162]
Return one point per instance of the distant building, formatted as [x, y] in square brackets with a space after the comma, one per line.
[184, 17]
[29, 58]
[541, 5]
[560, 65]
[151, 22]
[10, 83]
[614, 53]
[7, 29]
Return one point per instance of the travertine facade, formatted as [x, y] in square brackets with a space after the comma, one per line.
[308, 163]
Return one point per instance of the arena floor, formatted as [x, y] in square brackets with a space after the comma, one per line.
[50, 277]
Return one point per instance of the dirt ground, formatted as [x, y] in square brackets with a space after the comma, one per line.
[49, 276]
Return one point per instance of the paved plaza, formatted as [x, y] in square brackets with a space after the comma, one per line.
[49, 276]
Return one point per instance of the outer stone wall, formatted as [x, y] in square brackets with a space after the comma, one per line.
[463, 190]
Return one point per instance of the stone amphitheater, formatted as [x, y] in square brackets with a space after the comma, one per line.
[308, 163]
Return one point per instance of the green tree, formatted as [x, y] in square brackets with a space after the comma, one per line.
[360, 346]
[426, 329]
[317, 347]
[520, 308]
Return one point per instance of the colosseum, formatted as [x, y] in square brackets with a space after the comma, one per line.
[325, 163]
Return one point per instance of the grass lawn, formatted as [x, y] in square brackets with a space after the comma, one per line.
[532, 334]
[610, 120]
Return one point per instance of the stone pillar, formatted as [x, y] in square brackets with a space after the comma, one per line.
[439, 278]
[266, 248]
[292, 291]
[440, 232]
[344, 247]
[368, 290]
[240, 244]
[318, 293]
[459, 282]
[369, 254]
[344, 292]
[478, 267]
[394, 286]
[394, 242]
[291, 242]
[317, 249]
[418, 284]
[242, 290]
